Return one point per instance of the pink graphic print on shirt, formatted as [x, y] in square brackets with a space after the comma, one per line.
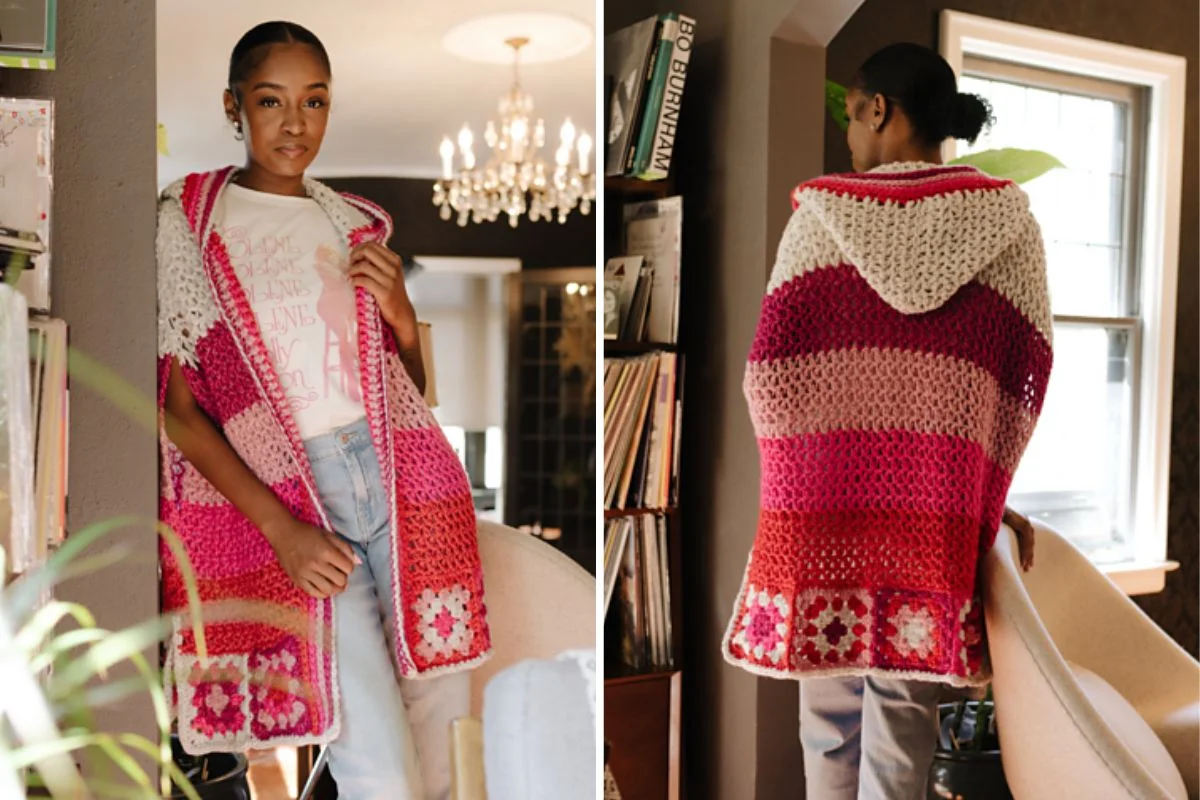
[292, 295]
[336, 308]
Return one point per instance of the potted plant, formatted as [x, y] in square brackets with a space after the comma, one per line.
[966, 763]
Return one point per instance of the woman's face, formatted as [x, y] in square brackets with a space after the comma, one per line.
[284, 109]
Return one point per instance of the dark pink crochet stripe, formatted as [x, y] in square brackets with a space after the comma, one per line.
[855, 317]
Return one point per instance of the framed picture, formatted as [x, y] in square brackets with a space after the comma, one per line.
[27, 33]
[26, 185]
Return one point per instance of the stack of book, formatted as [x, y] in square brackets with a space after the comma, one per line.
[16, 435]
[642, 408]
[646, 67]
[33, 432]
[641, 288]
[50, 404]
[636, 572]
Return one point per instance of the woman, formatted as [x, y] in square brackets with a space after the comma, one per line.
[897, 372]
[329, 522]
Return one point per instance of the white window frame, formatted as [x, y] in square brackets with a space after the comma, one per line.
[1163, 76]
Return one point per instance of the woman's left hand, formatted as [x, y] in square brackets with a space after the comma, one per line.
[381, 272]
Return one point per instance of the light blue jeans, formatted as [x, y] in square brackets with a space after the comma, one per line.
[395, 739]
[867, 738]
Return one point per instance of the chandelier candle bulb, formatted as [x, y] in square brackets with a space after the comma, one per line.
[585, 150]
[447, 153]
[465, 140]
[568, 134]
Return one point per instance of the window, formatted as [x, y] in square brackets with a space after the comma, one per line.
[1077, 475]
[1096, 469]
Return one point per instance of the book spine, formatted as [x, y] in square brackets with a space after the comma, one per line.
[642, 110]
[667, 29]
[658, 162]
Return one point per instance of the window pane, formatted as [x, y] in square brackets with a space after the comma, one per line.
[458, 440]
[1081, 208]
[493, 466]
[1075, 476]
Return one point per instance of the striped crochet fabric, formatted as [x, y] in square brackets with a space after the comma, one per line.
[271, 678]
[897, 373]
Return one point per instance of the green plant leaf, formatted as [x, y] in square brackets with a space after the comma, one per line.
[169, 765]
[1019, 166]
[23, 595]
[835, 103]
[125, 762]
[35, 632]
[163, 149]
[175, 544]
[134, 403]
[30, 754]
[61, 646]
[113, 649]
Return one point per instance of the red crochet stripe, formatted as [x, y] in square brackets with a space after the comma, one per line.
[977, 324]
[903, 187]
[876, 548]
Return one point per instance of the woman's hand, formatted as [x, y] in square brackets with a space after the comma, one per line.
[1023, 528]
[381, 272]
[318, 562]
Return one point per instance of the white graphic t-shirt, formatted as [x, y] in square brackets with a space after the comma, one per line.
[292, 264]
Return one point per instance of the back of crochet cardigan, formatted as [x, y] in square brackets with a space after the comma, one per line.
[898, 370]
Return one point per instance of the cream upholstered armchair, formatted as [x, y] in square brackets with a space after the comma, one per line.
[1092, 698]
[531, 717]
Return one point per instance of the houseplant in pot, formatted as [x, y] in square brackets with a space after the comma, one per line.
[966, 764]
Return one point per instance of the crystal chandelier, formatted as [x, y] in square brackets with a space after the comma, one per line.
[515, 181]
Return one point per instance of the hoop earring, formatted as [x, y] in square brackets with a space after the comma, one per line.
[238, 133]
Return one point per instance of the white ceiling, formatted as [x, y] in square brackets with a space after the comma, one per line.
[396, 91]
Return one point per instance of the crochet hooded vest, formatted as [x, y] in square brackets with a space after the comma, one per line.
[271, 674]
[896, 375]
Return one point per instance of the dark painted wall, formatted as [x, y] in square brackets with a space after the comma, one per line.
[103, 285]
[1169, 26]
[420, 231]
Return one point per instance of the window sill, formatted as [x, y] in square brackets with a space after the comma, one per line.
[1139, 577]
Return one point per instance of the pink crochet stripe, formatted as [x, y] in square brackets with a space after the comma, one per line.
[880, 390]
[245, 429]
[196, 490]
[902, 470]
[408, 411]
[1013, 350]
[238, 389]
[227, 545]
[436, 480]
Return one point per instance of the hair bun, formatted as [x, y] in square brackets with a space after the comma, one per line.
[969, 115]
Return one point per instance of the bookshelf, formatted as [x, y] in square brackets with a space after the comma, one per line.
[643, 707]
